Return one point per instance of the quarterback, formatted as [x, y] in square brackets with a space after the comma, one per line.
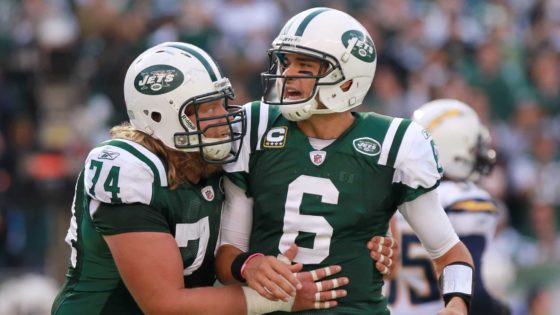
[314, 173]
[147, 206]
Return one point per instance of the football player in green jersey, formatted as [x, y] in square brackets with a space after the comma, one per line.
[147, 207]
[314, 173]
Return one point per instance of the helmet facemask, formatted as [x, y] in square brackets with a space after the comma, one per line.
[485, 156]
[217, 150]
[278, 91]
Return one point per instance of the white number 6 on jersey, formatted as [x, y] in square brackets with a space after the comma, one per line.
[294, 221]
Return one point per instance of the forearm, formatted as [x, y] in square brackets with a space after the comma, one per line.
[452, 260]
[224, 258]
[156, 280]
[457, 253]
[206, 300]
[456, 279]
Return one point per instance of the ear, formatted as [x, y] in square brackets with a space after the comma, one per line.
[346, 85]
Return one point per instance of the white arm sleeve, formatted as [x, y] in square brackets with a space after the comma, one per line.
[237, 217]
[430, 223]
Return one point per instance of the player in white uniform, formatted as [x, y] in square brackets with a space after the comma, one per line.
[465, 154]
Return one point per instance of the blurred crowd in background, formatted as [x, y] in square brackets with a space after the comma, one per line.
[62, 66]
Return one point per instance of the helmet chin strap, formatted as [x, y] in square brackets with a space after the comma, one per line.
[310, 108]
[321, 111]
[217, 152]
[302, 112]
[314, 106]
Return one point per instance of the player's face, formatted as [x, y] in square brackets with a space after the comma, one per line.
[211, 118]
[302, 66]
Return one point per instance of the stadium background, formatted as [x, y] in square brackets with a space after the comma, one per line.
[62, 65]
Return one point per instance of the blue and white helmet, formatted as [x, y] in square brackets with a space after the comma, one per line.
[462, 141]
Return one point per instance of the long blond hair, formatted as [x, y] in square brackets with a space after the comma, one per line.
[181, 166]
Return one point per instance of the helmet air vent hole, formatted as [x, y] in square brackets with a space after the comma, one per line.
[156, 116]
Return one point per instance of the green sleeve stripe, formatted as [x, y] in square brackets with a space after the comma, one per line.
[263, 123]
[119, 143]
[409, 194]
[397, 140]
[301, 28]
[267, 116]
[123, 218]
[76, 221]
[238, 178]
[388, 140]
[273, 113]
[255, 115]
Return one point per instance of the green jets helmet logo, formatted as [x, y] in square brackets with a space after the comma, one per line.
[158, 79]
[367, 146]
[363, 49]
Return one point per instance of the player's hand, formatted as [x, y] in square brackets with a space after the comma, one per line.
[273, 278]
[455, 307]
[317, 293]
[384, 250]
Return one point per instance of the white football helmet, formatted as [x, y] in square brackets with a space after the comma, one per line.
[462, 141]
[163, 82]
[346, 50]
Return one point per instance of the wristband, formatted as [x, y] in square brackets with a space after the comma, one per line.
[239, 264]
[457, 279]
[256, 304]
[247, 261]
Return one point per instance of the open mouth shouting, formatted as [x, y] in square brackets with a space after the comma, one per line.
[292, 94]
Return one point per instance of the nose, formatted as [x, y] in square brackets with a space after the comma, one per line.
[221, 111]
[223, 129]
[290, 70]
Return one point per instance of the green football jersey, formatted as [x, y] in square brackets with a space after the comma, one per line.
[123, 188]
[331, 201]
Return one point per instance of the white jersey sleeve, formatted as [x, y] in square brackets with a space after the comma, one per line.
[430, 223]
[242, 162]
[417, 166]
[237, 217]
[123, 172]
[257, 114]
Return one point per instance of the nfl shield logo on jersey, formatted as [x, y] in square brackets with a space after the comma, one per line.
[317, 157]
[208, 193]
